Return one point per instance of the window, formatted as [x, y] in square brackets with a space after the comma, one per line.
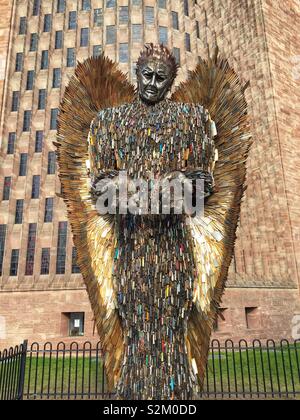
[26, 120]
[110, 3]
[162, 4]
[86, 4]
[30, 249]
[38, 141]
[33, 42]
[110, 34]
[2, 245]
[6, 188]
[14, 262]
[53, 119]
[48, 216]
[45, 60]
[75, 268]
[35, 192]
[51, 163]
[186, 7]
[23, 164]
[72, 19]
[11, 143]
[97, 49]
[30, 80]
[15, 101]
[163, 35]
[19, 212]
[84, 37]
[123, 15]
[22, 26]
[56, 78]
[60, 6]
[72, 324]
[176, 52]
[47, 23]
[98, 17]
[36, 7]
[61, 248]
[136, 33]
[252, 318]
[45, 261]
[58, 39]
[70, 57]
[175, 21]
[198, 29]
[19, 61]
[149, 16]
[123, 52]
[42, 99]
[136, 2]
[188, 42]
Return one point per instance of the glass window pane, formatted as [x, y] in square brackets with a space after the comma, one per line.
[26, 120]
[19, 212]
[123, 53]
[70, 57]
[123, 15]
[48, 216]
[14, 262]
[58, 39]
[6, 188]
[61, 248]
[22, 26]
[23, 164]
[11, 143]
[45, 60]
[97, 49]
[149, 16]
[2, 245]
[72, 19]
[30, 249]
[60, 6]
[35, 192]
[84, 37]
[38, 141]
[33, 42]
[110, 34]
[136, 33]
[163, 35]
[15, 101]
[47, 23]
[42, 99]
[98, 17]
[19, 61]
[45, 261]
[56, 78]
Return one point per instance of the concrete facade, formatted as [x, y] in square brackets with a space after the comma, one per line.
[261, 41]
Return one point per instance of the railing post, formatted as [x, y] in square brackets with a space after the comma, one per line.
[22, 370]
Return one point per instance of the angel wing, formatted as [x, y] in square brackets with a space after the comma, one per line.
[97, 84]
[216, 86]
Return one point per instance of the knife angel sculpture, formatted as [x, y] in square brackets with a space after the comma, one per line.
[154, 281]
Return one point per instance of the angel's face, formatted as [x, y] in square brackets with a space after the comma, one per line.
[154, 81]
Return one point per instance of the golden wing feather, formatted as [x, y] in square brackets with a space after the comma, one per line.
[216, 86]
[97, 84]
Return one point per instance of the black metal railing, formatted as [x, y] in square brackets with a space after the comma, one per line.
[12, 371]
[234, 371]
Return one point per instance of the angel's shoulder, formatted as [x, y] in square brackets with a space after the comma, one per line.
[107, 115]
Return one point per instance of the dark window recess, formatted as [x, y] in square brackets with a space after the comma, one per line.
[136, 33]
[188, 42]
[30, 80]
[45, 60]
[136, 2]
[15, 101]
[98, 17]
[45, 261]
[2, 245]
[149, 15]
[51, 163]
[73, 324]
[123, 53]
[53, 119]
[19, 212]
[19, 61]
[23, 164]
[175, 20]
[110, 34]
[23, 25]
[70, 57]
[252, 318]
[198, 29]
[11, 143]
[49, 202]
[110, 3]
[84, 37]
[58, 39]
[86, 4]
[26, 120]
[163, 35]
[42, 99]
[30, 249]
[97, 50]
[35, 192]
[47, 23]
[72, 19]
[123, 15]
[36, 7]
[186, 7]
[162, 4]
[56, 78]
[14, 262]
[60, 6]
[61, 248]
[75, 268]
[6, 188]
[33, 42]
[38, 141]
[176, 52]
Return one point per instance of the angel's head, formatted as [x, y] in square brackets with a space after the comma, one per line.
[156, 71]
